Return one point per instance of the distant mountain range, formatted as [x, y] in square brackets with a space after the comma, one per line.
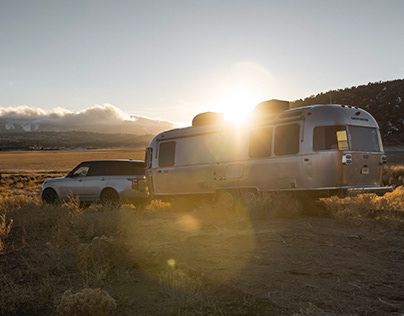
[384, 100]
[136, 125]
[15, 140]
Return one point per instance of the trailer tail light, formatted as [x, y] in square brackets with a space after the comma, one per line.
[383, 159]
[346, 159]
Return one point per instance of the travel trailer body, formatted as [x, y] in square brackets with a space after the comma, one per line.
[318, 150]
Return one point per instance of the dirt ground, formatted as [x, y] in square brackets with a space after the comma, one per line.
[305, 265]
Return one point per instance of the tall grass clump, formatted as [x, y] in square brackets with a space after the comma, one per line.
[5, 228]
[393, 175]
[388, 209]
[180, 287]
[100, 258]
[87, 302]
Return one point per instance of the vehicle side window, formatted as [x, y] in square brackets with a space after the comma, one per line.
[131, 168]
[167, 154]
[98, 168]
[81, 170]
[287, 139]
[260, 142]
[330, 137]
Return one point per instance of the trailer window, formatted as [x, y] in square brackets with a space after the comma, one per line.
[287, 140]
[364, 138]
[167, 154]
[330, 137]
[260, 142]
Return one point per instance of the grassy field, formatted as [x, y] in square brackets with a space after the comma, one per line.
[35, 161]
[170, 259]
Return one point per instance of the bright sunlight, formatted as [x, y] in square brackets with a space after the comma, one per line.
[246, 85]
[237, 105]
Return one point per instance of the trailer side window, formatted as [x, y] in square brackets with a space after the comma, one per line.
[167, 154]
[260, 142]
[364, 138]
[330, 137]
[287, 140]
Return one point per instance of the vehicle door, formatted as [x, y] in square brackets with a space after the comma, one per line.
[75, 181]
[97, 179]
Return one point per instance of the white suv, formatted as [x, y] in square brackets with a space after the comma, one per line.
[108, 181]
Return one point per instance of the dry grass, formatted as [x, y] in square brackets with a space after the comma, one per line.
[387, 210]
[28, 161]
[393, 175]
[52, 256]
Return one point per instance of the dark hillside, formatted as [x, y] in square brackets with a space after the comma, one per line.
[384, 100]
[72, 140]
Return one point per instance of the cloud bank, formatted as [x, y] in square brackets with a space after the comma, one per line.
[105, 118]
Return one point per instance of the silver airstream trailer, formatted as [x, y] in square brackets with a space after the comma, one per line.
[316, 151]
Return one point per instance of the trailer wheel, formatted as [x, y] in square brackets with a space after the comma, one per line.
[250, 199]
[225, 200]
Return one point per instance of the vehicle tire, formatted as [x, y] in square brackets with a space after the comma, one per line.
[109, 197]
[49, 196]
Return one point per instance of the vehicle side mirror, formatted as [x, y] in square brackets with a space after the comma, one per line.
[69, 174]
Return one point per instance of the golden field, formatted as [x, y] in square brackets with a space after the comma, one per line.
[173, 259]
[58, 160]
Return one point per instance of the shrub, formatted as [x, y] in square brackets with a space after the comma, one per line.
[88, 302]
[177, 285]
[5, 228]
[393, 175]
[100, 257]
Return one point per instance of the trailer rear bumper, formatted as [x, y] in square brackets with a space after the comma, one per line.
[380, 191]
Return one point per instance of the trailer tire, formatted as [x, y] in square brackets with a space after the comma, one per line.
[250, 199]
[225, 200]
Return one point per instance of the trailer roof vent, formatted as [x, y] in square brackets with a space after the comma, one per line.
[208, 118]
[270, 107]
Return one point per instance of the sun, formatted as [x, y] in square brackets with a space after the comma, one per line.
[236, 104]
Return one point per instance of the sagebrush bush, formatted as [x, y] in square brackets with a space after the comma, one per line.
[388, 209]
[393, 175]
[87, 302]
[177, 285]
[100, 257]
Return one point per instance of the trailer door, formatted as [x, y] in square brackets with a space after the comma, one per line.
[287, 163]
[163, 179]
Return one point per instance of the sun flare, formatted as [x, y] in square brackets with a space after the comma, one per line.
[236, 105]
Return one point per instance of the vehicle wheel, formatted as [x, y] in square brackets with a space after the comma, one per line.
[110, 197]
[49, 196]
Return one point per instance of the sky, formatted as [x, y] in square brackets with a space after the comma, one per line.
[171, 60]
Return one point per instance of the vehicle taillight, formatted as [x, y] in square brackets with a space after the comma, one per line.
[383, 159]
[135, 183]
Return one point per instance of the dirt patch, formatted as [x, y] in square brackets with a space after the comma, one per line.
[160, 260]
